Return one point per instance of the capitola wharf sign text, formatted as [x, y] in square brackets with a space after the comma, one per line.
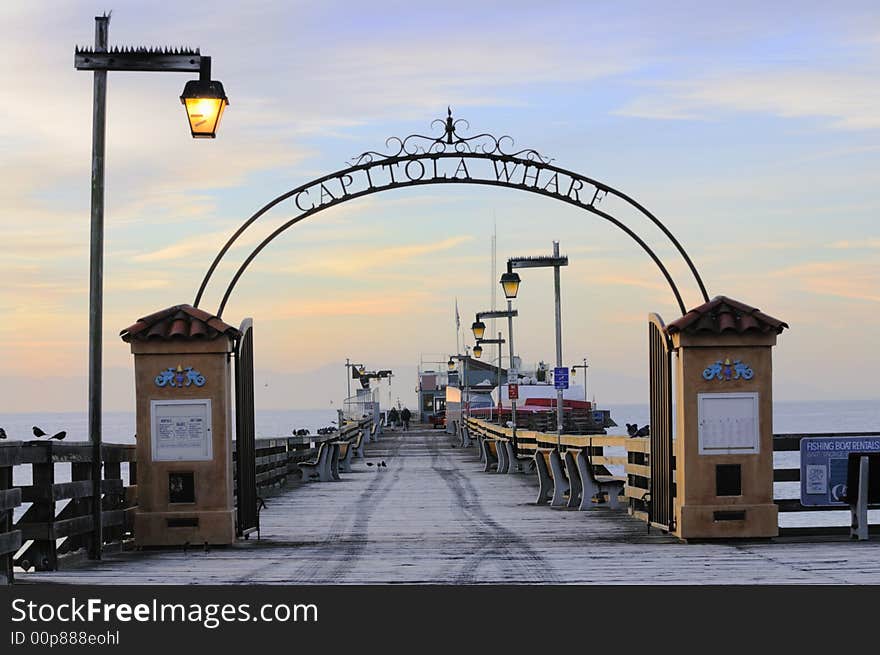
[432, 169]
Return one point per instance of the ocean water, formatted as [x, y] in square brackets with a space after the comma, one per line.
[788, 417]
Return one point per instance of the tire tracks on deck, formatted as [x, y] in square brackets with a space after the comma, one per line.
[498, 542]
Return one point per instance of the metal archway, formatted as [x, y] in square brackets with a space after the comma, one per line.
[422, 160]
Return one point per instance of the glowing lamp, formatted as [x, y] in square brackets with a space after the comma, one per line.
[510, 284]
[204, 101]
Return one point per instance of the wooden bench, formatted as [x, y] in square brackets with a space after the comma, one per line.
[319, 468]
[586, 488]
[489, 453]
[517, 463]
[553, 484]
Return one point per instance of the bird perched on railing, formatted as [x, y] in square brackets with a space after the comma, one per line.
[634, 430]
[38, 432]
[59, 435]
[2, 433]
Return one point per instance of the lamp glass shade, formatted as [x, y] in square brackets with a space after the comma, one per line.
[510, 284]
[450, 364]
[204, 103]
[479, 329]
[478, 351]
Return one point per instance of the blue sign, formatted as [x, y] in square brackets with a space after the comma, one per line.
[824, 464]
[560, 377]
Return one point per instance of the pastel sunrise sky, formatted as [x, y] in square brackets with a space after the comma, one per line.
[752, 131]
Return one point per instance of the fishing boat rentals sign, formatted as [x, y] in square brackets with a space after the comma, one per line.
[181, 430]
[824, 467]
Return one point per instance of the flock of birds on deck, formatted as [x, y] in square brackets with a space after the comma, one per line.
[39, 433]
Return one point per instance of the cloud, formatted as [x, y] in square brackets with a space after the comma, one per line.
[845, 99]
[854, 280]
[345, 262]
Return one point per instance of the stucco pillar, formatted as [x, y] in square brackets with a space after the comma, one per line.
[724, 421]
[183, 391]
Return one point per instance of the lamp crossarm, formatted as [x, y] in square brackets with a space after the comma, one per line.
[135, 60]
[482, 341]
[536, 262]
[497, 314]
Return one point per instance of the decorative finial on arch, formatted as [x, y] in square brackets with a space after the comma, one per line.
[448, 142]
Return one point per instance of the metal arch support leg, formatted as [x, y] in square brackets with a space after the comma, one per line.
[560, 482]
[859, 511]
[545, 481]
[575, 482]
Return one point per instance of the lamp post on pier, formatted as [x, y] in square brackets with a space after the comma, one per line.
[479, 329]
[584, 366]
[500, 342]
[511, 288]
[204, 101]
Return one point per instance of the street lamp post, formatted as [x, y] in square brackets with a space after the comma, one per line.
[554, 261]
[479, 328]
[204, 101]
[584, 366]
[500, 342]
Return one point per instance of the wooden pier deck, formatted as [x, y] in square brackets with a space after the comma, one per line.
[432, 516]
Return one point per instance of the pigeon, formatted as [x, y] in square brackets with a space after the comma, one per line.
[38, 432]
[643, 431]
[369, 463]
[383, 464]
[632, 428]
[2, 433]
[59, 435]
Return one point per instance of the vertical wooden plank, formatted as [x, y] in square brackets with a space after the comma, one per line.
[6, 574]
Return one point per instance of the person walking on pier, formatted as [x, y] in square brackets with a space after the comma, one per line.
[405, 416]
[392, 417]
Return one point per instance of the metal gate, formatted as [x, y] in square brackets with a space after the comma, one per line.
[245, 464]
[660, 504]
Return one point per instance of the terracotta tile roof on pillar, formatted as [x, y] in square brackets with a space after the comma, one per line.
[178, 322]
[723, 314]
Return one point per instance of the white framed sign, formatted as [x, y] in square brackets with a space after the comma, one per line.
[180, 430]
[728, 423]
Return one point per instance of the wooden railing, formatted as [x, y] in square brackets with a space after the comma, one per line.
[48, 533]
[637, 465]
[639, 481]
[529, 440]
[277, 458]
[10, 498]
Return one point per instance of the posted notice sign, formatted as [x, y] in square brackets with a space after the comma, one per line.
[823, 467]
[560, 377]
[181, 430]
[513, 391]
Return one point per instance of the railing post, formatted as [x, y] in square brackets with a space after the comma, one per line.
[42, 553]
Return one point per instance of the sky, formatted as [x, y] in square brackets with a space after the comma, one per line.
[752, 131]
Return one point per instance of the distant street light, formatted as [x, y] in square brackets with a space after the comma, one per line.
[478, 351]
[584, 366]
[204, 100]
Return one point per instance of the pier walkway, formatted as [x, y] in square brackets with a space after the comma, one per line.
[432, 516]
